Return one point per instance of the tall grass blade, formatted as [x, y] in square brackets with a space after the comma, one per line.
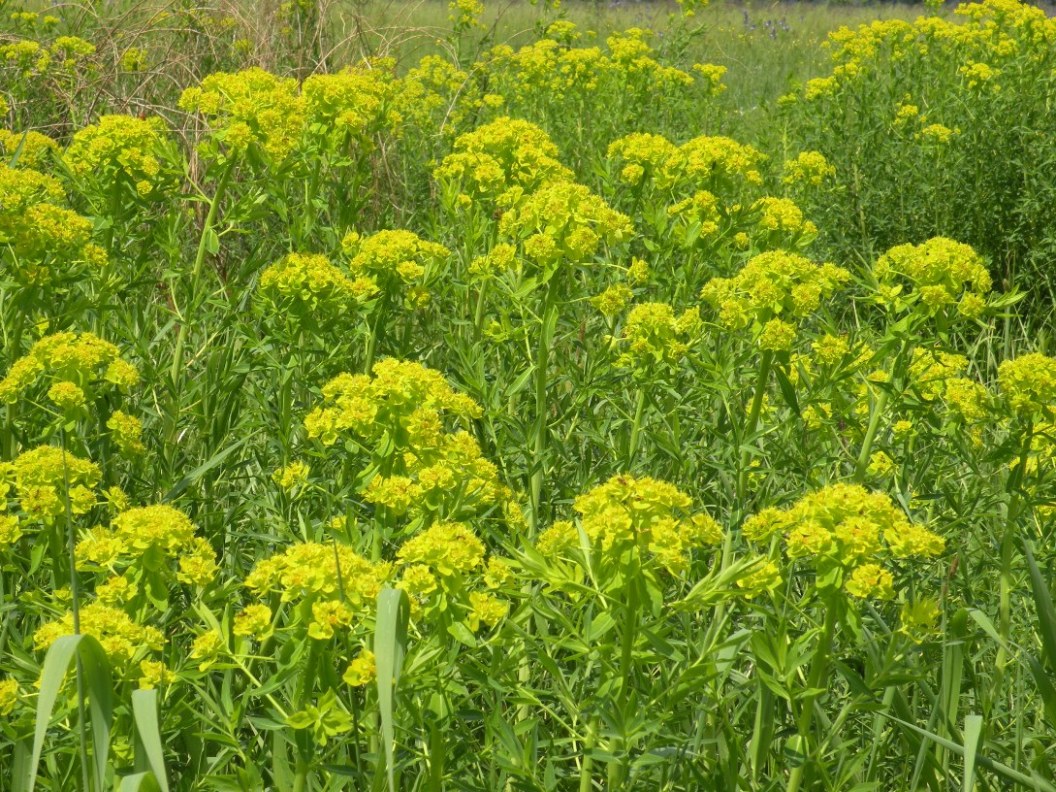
[390, 647]
[96, 671]
[973, 731]
[1043, 603]
[148, 736]
[141, 782]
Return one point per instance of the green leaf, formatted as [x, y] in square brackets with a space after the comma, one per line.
[973, 731]
[148, 736]
[390, 647]
[141, 782]
[97, 686]
[1043, 604]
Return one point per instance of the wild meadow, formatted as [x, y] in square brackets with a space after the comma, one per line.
[458, 396]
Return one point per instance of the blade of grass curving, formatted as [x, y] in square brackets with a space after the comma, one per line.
[973, 731]
[1044, 606]
[390, 647]
[148, 735]
[96, 671]
[1003, 770]
[202, 469]
[141, 782]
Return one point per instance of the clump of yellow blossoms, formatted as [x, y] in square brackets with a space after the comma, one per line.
[146, 537]
[46, 239]
[465, 14]
[313, 569]
[395, 263]
[44, 477]
[401, 398]
[644, 515]
[127, 433]
[808, 168]
[81, 359]
[652, 334]
[27, 149]
[643, 157]
[307, 286]
[123, 640]
[564, 74]
[250, 108]
[940, 272]
[408, 409]
[353, 104]
[1028, 384]
[329, 584]
[563, 221]
[845, 531]
[500, 161]
[122, 148]
[708, 161]
[440, 564]
[770, 289]
[9, 695]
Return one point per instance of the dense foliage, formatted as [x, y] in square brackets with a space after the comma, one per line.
[509, 421]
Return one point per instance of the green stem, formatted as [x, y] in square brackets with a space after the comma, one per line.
[1014, 488]
[819, 665]
[636, 427]
[542, 362]
[763, 378]
[196, 270]
[75, 597]
[586, 767]
[870, 436]
[618, 769]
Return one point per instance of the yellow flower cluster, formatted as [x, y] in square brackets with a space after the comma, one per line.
[782, 219]
[122, 148]
[395, 263]
[553, 68]
[705, 161]
[406, 407]
[1028, 384]
[645, 514]
[563, 221]
[127, 432]
[643, 157]
[499, 162]
[770, 286]
[353, 104]
[250, 108]
[312, 569]
[941, 273]
[43, 236]
[82, 360]
[40, 477]
[29, 59]
[309, 286]
[333, 582]
[652, 334]
[27, 149]
[446, 560]
[465, 14]
[844, 530]
[991, 32]
[123, 640]
[148, 537]
[402, 398]
[9, 695]
[808, 168]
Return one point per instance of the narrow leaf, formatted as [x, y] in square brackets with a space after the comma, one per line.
[390, 647]
[148, 732]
